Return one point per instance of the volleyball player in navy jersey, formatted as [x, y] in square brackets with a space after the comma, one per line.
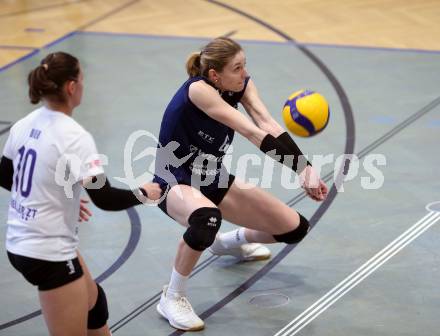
[200, 122]
[42, 232]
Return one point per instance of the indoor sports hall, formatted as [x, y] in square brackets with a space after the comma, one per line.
[370, 264]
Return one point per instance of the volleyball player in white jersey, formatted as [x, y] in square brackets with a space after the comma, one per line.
[42, 228]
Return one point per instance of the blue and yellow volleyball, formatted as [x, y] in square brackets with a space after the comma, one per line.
[306, 113]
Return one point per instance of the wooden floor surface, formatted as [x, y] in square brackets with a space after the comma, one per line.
[26, 25]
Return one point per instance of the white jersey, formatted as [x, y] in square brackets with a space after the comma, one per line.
[43, 212]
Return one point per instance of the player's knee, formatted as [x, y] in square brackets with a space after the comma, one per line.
[296, 235]
[204, 224]
[98, 315]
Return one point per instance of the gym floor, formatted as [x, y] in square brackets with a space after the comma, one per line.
[371, 262]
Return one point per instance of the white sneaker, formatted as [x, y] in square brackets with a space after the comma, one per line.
[245, 252]
[178, 311]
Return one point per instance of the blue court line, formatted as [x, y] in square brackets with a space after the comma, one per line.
[70, 34]
[36, 51]
[348, 148]
[319, 213]
[265, 42]
[349, 46]
[156, 297]
[59, 40]
[195, 38]
[133, 240]
[145, 36]
[19, 60]
[132, 213]
[176, 37]
[132, 243]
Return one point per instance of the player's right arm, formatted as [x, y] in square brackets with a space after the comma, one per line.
[256, 109]
[207, 99]
[91, 174]
[6, 173]
[107, 197]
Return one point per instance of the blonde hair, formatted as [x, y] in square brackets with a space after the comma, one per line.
[215, 55]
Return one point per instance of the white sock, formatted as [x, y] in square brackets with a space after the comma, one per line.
[177, 283]
[233, 238]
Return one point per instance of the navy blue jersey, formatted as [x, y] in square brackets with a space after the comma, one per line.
[192, 144]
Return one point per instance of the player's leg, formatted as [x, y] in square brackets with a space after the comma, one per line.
[202, 219]
[62, 292]
[65, 308]
[266, 218]
[97, 305]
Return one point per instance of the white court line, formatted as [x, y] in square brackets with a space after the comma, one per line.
[359, 275]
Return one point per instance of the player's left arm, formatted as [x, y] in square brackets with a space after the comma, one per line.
[256, 109]
[258, 112]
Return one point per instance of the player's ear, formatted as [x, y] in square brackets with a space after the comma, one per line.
[70, 87]
[213, 76]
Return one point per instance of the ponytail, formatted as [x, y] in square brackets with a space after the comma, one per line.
[193, 65]
[215, 55]
[47, 79]
[40, 84]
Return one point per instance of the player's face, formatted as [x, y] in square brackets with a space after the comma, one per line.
[233, 76]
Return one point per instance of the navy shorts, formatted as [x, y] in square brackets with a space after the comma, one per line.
[46, 274]
[215, 195]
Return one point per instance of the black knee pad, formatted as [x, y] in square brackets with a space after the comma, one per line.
[294, 236]
[98, 315]
[204, 224]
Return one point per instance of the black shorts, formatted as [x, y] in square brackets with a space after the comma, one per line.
[46, 274]
[215, 195]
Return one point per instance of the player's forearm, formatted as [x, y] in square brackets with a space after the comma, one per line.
[284, 150]
[114, 199]
[6, 173]
[270, 126]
